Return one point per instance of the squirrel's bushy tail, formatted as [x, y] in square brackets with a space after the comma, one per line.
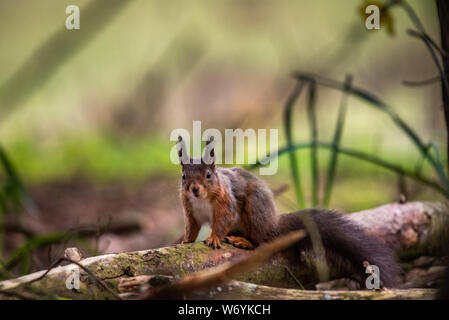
[347, 245]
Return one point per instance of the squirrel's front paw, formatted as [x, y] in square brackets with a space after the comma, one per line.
[239, 242]
[213, 241]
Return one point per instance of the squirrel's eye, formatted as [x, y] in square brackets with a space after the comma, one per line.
[183, 176]
[208, 175]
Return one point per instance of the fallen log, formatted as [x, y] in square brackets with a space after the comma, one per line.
[250, 291]
[132, 287]
[174, 261]
[238, 290]
[412, 229]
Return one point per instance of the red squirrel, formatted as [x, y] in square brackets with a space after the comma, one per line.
[241, 210]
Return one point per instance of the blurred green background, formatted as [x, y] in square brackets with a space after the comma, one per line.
[85, 115]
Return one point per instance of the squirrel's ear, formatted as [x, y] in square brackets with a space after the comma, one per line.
[182, 153]
[210, 153]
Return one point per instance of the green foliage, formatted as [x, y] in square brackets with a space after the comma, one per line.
[377, 103]
[13, 196]
[97, 157]
[373, 101]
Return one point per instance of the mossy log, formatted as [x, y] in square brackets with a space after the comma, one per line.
[174, 261]
[411, 229]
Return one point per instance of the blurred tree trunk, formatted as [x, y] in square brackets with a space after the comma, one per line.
[443, 14]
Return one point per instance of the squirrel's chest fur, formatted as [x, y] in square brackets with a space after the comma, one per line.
[202, 210]
[203, 213]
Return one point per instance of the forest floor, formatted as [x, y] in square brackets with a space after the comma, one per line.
[150, 213]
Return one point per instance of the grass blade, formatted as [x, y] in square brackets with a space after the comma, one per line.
[420, 163]
[437, 157]
[14, 187]
[294, 163]
[311, 114]
[336, 143]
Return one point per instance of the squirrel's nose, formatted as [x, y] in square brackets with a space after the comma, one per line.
[195, 191]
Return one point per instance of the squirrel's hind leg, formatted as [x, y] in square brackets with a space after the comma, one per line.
[239, 242]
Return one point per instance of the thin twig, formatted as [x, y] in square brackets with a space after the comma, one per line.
[295, 278]
[412, 83]
[418, 25]
[424, 36]
[23, 296]
[90, 273]
[428, 43]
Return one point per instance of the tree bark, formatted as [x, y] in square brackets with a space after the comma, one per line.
[411, 229]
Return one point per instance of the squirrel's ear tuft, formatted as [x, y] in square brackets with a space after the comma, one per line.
[209, 141]
[180, 149]
[210, 153]
[182, 153]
